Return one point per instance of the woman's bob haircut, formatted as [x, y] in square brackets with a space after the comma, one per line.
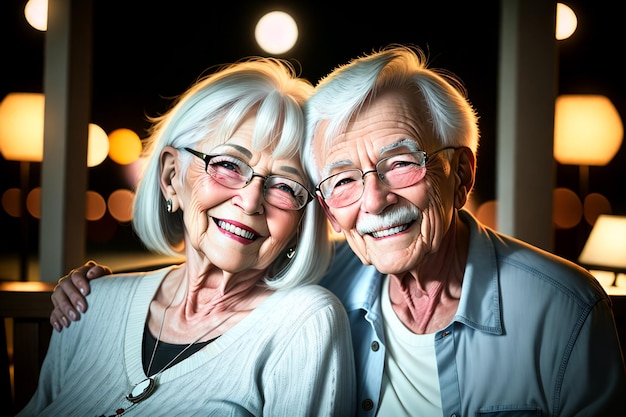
[213, 108]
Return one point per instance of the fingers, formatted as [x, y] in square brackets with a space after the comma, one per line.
[95, 271]
[68, 297]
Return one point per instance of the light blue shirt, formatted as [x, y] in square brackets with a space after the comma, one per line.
[533, 335]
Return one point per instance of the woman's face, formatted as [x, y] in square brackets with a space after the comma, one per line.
[237, 229]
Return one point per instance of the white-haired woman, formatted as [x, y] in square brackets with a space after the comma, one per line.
[238, 329]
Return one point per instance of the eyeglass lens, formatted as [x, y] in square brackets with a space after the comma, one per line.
[278, 191]
[396, 171]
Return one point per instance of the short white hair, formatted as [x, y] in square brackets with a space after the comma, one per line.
[214, 107]
[345, 91]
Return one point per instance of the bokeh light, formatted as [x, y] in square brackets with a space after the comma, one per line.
[95, 206]
[98, 145]
[21, 126]
[567, 211]
[276, 32]
[33, 202]
[120, 205]
[594, 205]
[566, 22]
[132, 172]
[487, 213]
[11, 202]
[124, 146]
[36, 12]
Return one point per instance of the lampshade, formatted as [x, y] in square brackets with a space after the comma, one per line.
[21, 130]
[587, 130]
[21, 126]
[605, 248]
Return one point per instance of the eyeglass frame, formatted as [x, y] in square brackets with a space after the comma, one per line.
[426, 158]
[207, 159]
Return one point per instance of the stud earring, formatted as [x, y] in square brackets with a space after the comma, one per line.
[169, 205]
[291, 253]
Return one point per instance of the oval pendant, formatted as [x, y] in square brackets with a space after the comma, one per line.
[141, 391]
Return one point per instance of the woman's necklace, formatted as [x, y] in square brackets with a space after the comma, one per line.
[145, 388]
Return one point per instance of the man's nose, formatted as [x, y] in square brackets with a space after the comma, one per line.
[375, 193]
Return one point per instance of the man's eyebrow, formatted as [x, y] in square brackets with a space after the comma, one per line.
[409, 144]
[337, 164]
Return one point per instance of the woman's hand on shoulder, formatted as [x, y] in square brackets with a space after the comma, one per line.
[69, 294]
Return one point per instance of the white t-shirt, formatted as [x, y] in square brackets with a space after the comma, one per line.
[410, 381]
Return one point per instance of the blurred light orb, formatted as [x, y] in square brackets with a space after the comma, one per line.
[124, 146]
[132, 172]
[98, 147]
[11, 201]
[567, 210]
[487, 213]
[36, 12]
[566, 22]
[594, 205]
[95, 206]
[33, 202]
[120, 204]
[276, 32]
[588, 129]
[21, 126]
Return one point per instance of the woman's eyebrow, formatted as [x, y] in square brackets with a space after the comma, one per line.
[240, 149]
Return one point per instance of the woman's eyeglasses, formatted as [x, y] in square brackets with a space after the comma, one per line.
[231, 172]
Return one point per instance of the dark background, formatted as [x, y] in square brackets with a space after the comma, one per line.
[145, 54]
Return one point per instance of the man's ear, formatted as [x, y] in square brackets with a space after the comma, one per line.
[465, 172]
[331, 218]
[169, 175]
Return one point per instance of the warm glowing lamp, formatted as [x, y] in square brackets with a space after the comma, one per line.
[587, 131]
[21, 139]
[36, 12]
[606, 246]
[276, 32]
[124, 146]
[21, 130]
[566, 22]
[21, 126]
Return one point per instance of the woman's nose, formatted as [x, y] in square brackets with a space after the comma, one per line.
[252, 195]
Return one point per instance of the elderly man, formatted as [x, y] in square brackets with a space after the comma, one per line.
[448, 317]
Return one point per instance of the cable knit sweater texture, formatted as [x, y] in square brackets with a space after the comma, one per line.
[291, 356]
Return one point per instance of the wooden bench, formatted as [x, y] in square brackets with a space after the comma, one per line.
[26, 307]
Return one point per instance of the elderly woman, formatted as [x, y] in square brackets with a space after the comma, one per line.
[238, 329]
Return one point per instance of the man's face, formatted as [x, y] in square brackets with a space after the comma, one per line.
[392, 229]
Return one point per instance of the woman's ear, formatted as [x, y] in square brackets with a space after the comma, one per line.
[465, 172]
[169, 176]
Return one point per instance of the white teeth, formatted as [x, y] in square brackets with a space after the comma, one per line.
[235, 230]
[391, 231]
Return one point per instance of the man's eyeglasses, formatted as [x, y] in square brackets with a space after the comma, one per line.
[231, 172]
[397, 171]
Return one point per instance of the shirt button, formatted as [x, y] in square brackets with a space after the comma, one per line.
[367, 404]
[375, 346]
